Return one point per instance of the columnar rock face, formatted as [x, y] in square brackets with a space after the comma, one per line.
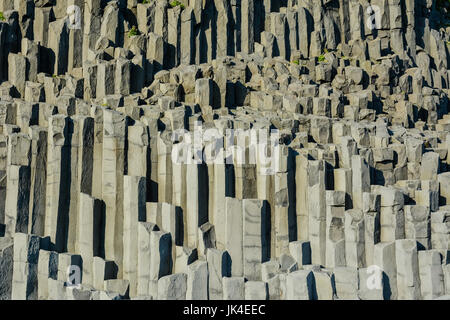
[231, 150]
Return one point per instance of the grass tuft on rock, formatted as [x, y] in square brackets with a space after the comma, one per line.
[176, 3]
[133, 32]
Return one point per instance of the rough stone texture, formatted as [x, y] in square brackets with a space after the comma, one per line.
[224, 150]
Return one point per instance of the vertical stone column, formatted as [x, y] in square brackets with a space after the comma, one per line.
[172, 287]
[3, 172]
[346, 283]
[187, 37]
[281, 212]
[86, 230]
[197, 281]
[218, 203]
[173, 36]
[225, 32]
[278, 27]
[292, 25]
[179, 190]
[97, 165]
[18, 181]
[444, 183]
[122, 76]
[383, 258]
[112, 184]
[24, 117]
[247, 26]
[75, 43]
[90, 80]
[134, 211]
[299, 285]
[429, 195]
[418, 225]
[354, 238]
[233, 288]
[356, 20]
[6, 267]
[305, 27]
[324, 284]
[38, 188]
[76, 158]
[138, 144]
[317, 210]
[197, 6]
[164, 146]
[244, 172]
[30, 50]
[344, 16]
[208, 40]
[335, 226]
[256, 290]
[155, 54]
[218, 267]
[47, 269]
[204, 92]
[144, 230]
[145, 16]
[447, 142]
[170, 223]
[17, 72]
[58, 181]
[197, 194]
[431, 274]
[301, 182]
[184, 257]
[392, 218]
[86, 154]
[152, 165]
[112, 24]
[91, 28]
[408, 281]
[360, 180]
[25, 270]
[58, 43]
[301, 252]
[161, 23]
[265, 184]
[256, 237]
[154, 212]
[440, 232]
[41, 25]
[105, 79]
[160, 259]
[371, 209]
[343, 182]
[234, 234]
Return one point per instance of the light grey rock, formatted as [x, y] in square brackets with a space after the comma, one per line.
[172, 287]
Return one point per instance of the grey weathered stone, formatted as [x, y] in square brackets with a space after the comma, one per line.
[133, 154]
[172, 287]
[233, 288]
[299, 285]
